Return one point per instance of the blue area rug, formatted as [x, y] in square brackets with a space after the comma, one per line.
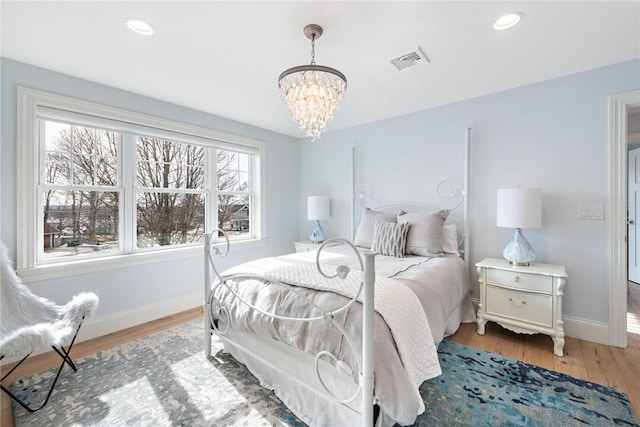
[164, 380]
[484, 389]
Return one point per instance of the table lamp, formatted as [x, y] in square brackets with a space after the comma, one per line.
[317, 209]
[519, 208]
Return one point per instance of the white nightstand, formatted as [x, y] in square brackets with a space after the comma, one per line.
[526, 300]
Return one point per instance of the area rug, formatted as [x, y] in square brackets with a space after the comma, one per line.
[479, 388]
[165, 380]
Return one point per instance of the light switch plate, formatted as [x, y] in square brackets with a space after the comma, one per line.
[591, 212]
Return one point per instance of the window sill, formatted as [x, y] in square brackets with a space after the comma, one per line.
[77, 267]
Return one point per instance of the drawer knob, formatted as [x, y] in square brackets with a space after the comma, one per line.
[517, 304]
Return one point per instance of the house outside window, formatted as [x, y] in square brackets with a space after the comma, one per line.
[112, 183]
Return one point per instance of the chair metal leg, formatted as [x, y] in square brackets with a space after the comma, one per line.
[64, 354]
[25, 405]
[16, 366]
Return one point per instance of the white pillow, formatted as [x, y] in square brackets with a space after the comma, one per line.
[364, 235]
[390, 239]
[425, 234]
[450, 239]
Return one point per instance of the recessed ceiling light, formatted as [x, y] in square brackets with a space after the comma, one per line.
[139, 26]
[507, 21]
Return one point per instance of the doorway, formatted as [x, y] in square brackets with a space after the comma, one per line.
[620, 105]
[633, 234]
[633, 210]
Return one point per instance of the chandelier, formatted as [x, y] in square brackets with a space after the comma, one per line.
[312, 92]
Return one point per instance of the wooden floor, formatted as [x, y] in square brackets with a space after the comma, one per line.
[633, 312]
[612, 366]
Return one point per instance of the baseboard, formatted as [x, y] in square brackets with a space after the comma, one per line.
[575, 327]
[97, 327]
[587, 330]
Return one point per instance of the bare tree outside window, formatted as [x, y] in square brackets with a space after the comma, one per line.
[175, 215]
[234, 196]
[77, 219]
[82, 187]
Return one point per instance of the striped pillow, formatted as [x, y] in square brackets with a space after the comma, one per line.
[390, 239]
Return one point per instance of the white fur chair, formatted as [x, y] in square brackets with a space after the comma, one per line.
[29, 323]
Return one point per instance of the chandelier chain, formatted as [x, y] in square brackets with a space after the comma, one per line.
[313, 49]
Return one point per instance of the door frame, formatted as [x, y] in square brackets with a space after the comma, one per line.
[617, 207]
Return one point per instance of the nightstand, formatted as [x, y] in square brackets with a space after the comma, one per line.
[526, 300]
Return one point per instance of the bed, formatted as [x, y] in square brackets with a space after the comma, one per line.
[346, 336]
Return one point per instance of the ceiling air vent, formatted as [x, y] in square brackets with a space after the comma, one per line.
[410, 59]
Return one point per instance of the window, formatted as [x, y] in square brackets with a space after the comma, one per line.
[172, 193]
[80, 190]
[234, 197]
[112, 183]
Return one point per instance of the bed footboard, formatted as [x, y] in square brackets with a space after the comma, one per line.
[364, 356]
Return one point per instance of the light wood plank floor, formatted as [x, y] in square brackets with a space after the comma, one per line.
[599, 363]
[633, 312]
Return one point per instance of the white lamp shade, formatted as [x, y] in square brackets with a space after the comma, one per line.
[519, 208]
[317, 208]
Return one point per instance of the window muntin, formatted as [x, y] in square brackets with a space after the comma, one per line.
[168, 164]
[233, 171]
[78, 155]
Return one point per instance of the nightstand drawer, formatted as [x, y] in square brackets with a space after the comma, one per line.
[305, 248]
[516, 279]
[525, 306]
[308, 246]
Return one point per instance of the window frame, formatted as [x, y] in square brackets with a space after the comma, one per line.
[29, 152]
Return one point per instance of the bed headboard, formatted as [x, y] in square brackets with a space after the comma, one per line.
[453, 193]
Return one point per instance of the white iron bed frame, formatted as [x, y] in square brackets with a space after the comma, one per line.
[362, 400]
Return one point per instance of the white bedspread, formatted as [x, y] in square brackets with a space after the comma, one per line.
[396, 303]
[415, 297]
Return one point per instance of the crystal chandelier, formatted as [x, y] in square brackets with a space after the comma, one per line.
[312, 92]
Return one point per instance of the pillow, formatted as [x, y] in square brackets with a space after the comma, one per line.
[364, 235]
[390, 238]
[425, 234]
[450, 239]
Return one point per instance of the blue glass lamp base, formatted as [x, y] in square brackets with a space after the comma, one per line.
[518, 251]
[317, 234]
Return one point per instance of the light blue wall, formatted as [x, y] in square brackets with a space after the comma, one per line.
[134, 288]
[552, 135]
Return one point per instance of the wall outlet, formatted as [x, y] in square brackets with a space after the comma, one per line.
[591, 212]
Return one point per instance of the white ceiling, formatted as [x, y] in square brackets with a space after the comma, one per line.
[224, 58]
